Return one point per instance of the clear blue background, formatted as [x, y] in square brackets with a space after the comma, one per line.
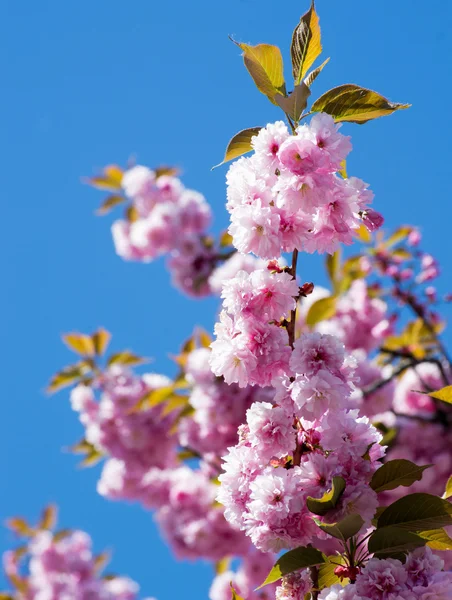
[89, 83]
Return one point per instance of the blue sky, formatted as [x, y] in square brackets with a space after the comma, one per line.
[89, 83]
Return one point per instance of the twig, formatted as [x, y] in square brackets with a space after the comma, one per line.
[293, 314]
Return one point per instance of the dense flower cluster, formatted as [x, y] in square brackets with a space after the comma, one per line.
[64, 568]
[361, 321]
[420, 578]
[167, 214]
[143, 464]
[294, 449]
[288, 194]
[219, 408]
[251, 347]
[137, 438]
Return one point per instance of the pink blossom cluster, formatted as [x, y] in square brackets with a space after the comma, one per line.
[419, 578]
[167, 214]
[188, 516]
[219, 408]
[64, 568]
[361, 320]
[170, 220]
[289, 195]
[138, 438]
[423, 434]
[294, 586]
[293, 449]
[251, 346]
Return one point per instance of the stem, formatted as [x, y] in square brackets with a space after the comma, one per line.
[293, 314]
[314, 572]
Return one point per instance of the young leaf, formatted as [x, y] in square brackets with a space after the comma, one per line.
[333, 267]
[320, 506]
[437, 539]
[393, 541]
[80, 343]
[444, 394]
[306, 44]
[296, 559]
[235, 596]
[165, 170]
[173, 403]
[101, 339]
[109, 203]
[353, 103]
[448, 491]
[20, 527]
[222, 565]
[312, 76]
[110, 179]
[92, 458]
[344, 529]
[322, 309]
[395, 473]
[294, 104]
[417, 512]
[265, 65]
[48, 517]
[225, 239]
[154, 398]
[239, 144]
[66, 377]
[400, 234]
[204, 338]
[126, 358]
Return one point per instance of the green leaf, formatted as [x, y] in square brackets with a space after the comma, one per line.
[110, 179]
[155, 397]
[265, 65]
[395, 473]
[444, 394]
[320, 506]
[92, 458]
[20, 527]
[173, 403]
[400, 234]
[109, 203]
[126, 358]
[306, 44]
[294, 104]
[299, 558]
[322, 309]
[344, 529]
[353, 103]
[101, 339]
[448, 491]
[393, 540]
[312, 76]
[417, 512]
[222, 565]
[225, 238]
[437, 539]
[333, 267]
[327, 577]
[48, 517]
[66, 376]
[239, 144]
[80, 343]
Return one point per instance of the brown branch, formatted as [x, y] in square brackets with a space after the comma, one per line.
[293, 314]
